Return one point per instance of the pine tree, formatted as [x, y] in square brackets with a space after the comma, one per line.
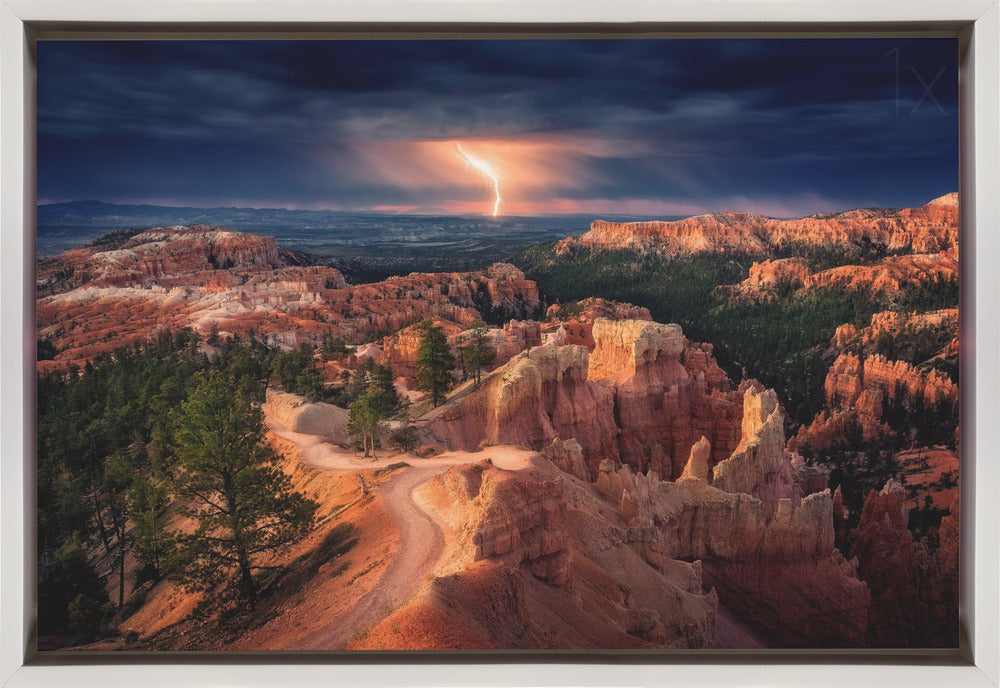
[244, 506]
[477, 352]
[118, 472]
[375, 399]
[367, 420]
[434, 361]
[148, 500]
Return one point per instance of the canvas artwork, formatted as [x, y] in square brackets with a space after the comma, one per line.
[549, 344]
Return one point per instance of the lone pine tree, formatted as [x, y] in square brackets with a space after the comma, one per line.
[434, 361]
[243, 505]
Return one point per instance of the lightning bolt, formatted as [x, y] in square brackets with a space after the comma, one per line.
[487, 170]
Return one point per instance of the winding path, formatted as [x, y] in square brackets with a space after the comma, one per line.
[421, 540]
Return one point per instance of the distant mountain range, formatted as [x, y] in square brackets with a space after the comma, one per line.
[472, 241]
[102, 215]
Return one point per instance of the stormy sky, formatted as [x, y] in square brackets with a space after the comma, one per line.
[647, 127]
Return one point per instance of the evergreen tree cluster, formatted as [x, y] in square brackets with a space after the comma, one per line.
[372, 399]
[296, 372]
[475, 351]
[145, 432]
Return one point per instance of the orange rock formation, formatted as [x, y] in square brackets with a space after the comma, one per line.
[206, 277]
[855, 392]
[932, 228]
[887, 276]
[644, 397]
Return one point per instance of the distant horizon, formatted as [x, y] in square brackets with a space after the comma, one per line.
[432, 212]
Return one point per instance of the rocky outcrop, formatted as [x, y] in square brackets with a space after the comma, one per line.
[857, 392]
[914, 594]
[545, 395]
[668, 394]
[580, 583]
[759, 465]
[782, 572]
[312, 418]
[697, 465]
[932, 228]
[644, 397]
[540, 395]
[626, 348]
[810, 479]
[512, 338]
[889, 275]
[768, 277]
[164, 256]
[594, 307]
[898, 330]
[889, 376]
[767, 550]
[567, 456]
[576, 320]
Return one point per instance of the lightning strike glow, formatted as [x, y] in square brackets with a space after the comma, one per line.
[487, 170]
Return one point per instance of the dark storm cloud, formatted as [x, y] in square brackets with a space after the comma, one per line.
[703, 123]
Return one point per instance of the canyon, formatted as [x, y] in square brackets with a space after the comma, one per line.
[606, 484]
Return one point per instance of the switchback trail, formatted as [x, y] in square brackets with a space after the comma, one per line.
[421, 541]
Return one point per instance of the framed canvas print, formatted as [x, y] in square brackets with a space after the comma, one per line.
[592, 344]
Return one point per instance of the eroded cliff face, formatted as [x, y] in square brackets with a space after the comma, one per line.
[914, 592]
[767, 277]
[859, 391]
[541, 561]
[938, 326]
[759, 465]
[208, 278]
[668, 394]
[758, 527]
[889, 275]
[538, 396]
[576, 321]
[165, 256]
[932, 228]
[771, 558]
[644, 397]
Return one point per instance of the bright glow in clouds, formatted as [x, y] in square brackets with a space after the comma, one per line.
[484, 168]
[540, 175]
[432, 176]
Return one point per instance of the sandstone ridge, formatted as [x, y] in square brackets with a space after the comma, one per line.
[932, 228]
[644, 397]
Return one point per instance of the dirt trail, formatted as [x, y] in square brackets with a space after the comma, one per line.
[421, 544]
[421, 539]
[317, 451]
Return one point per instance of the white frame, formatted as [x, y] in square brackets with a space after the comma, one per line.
[980, 182]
